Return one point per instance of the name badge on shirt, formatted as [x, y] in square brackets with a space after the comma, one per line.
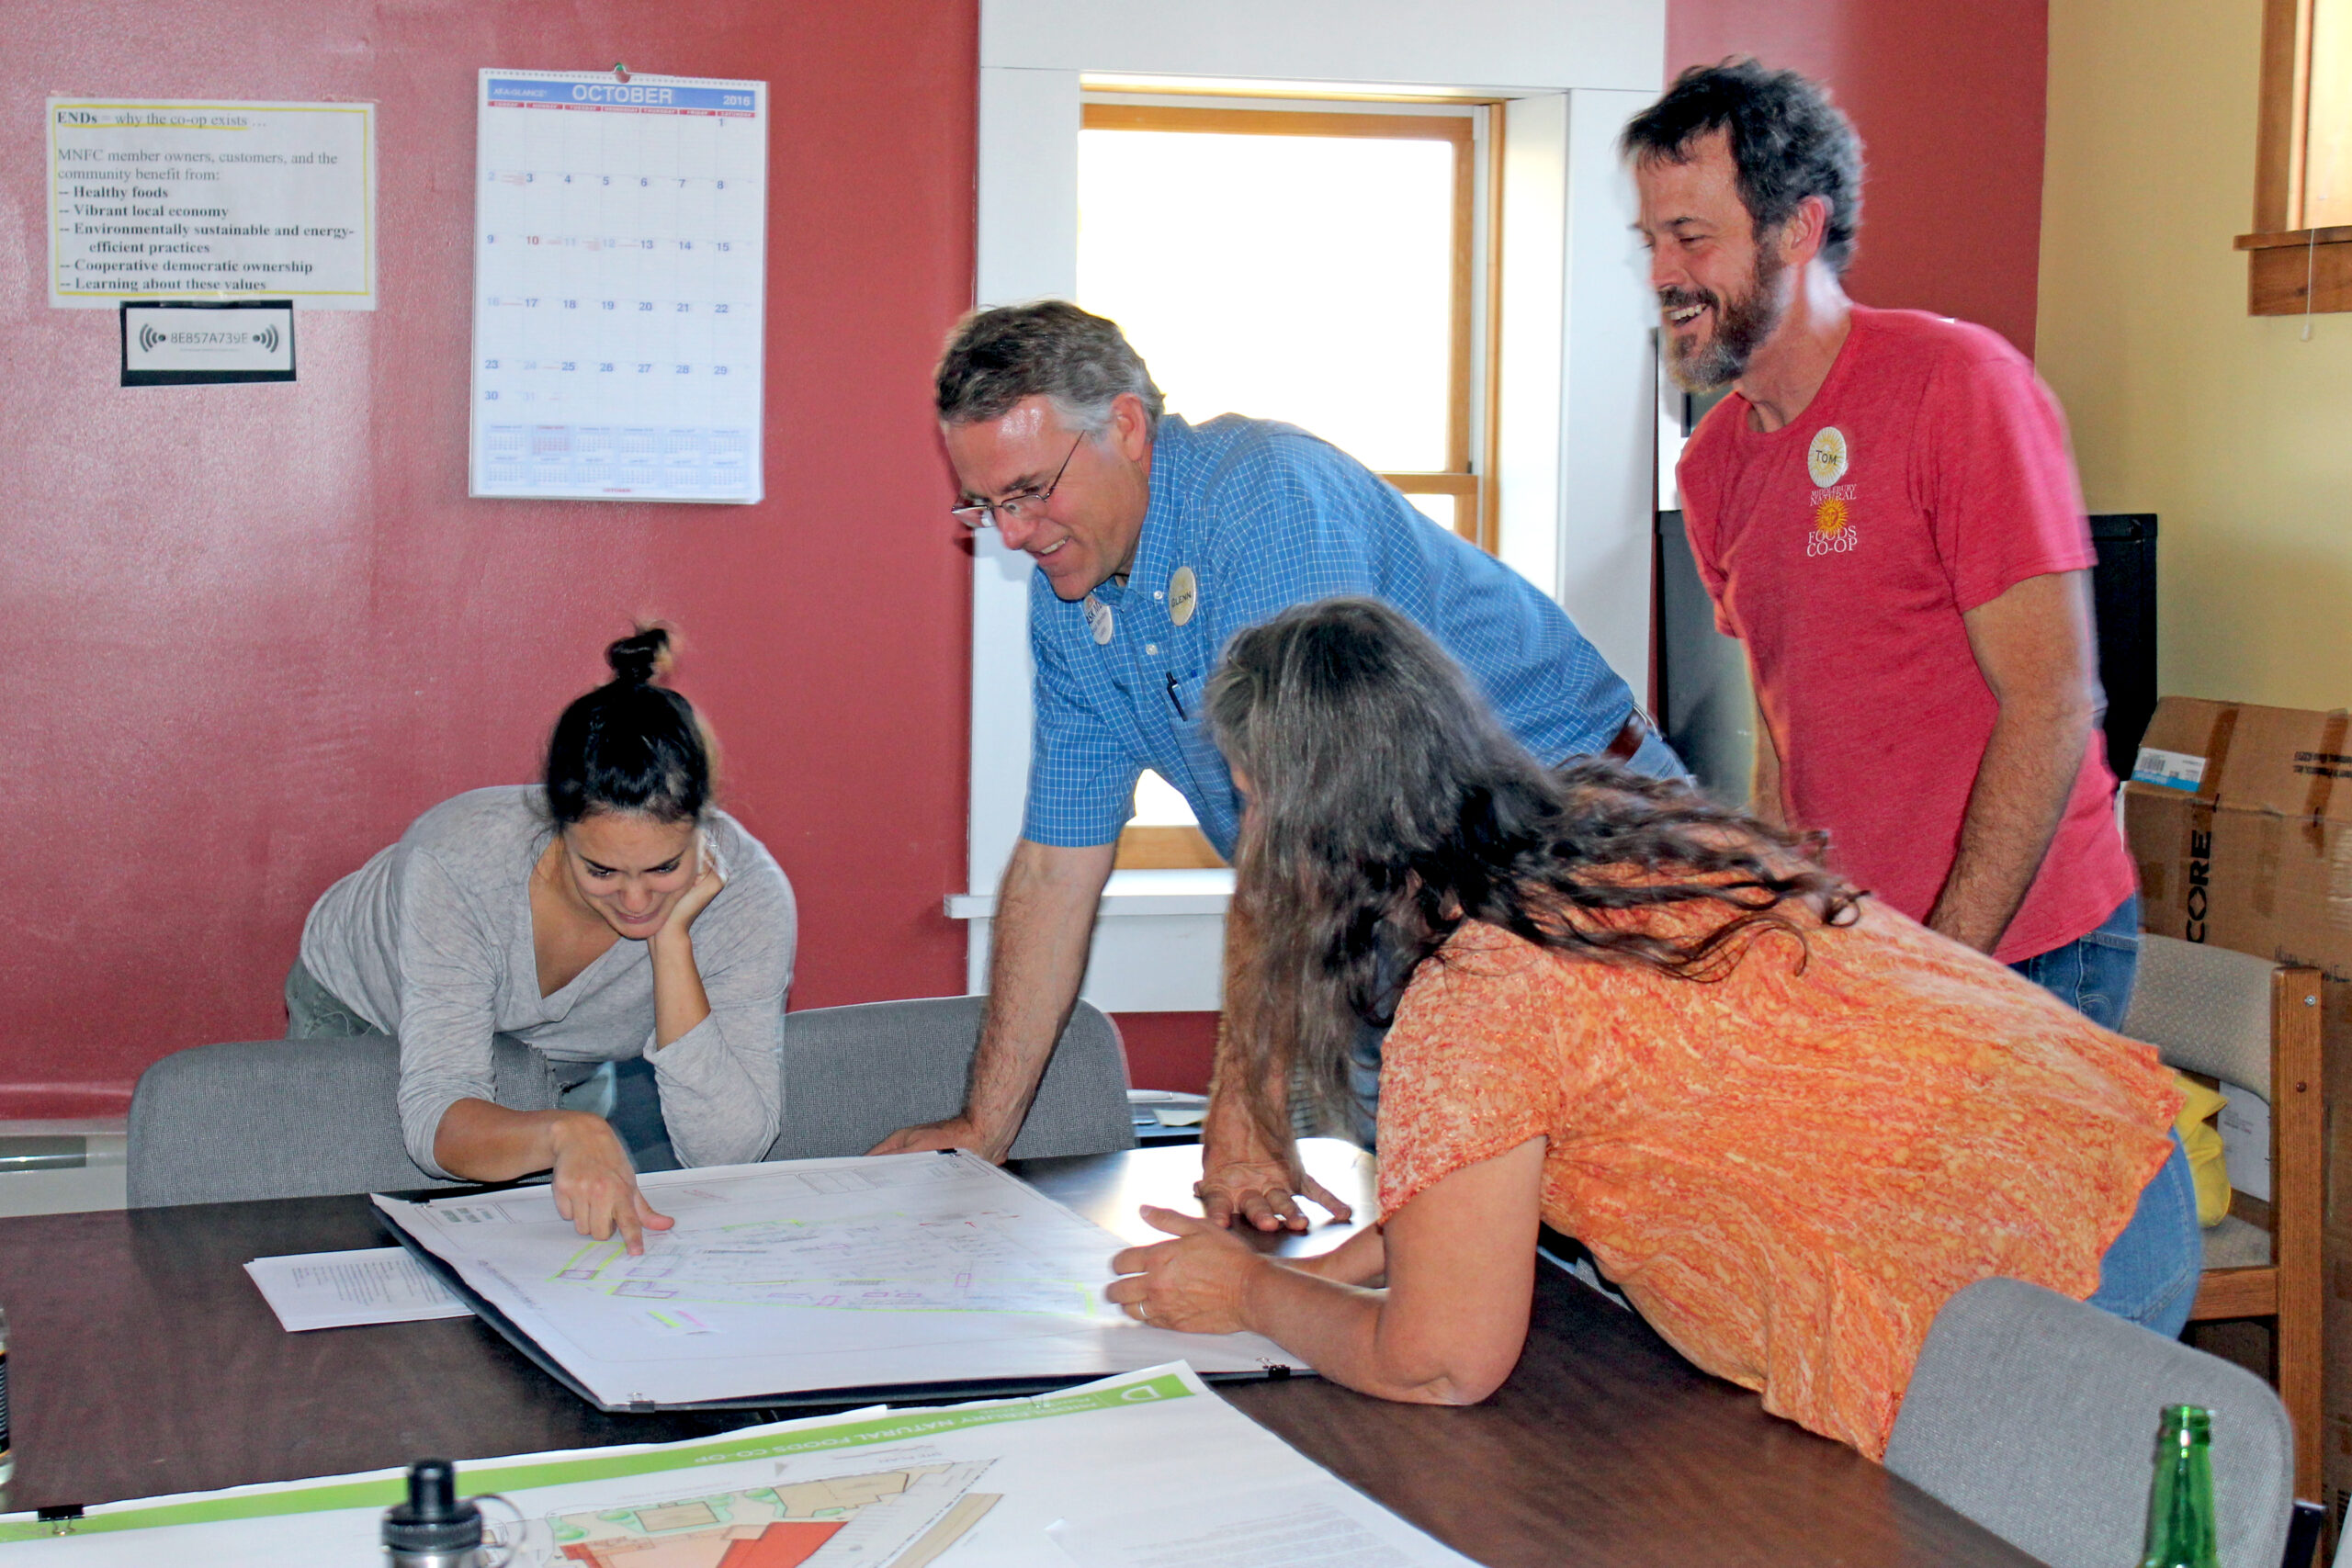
[1183, 594]
[1826, 460]
[1098, 619]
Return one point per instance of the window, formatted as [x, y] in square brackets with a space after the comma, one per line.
[1162, 835]
[2300, 256]
[1313, 266]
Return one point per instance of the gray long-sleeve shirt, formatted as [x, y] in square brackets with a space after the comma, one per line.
[431, 941]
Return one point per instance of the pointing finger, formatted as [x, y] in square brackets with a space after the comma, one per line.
[632, 1230]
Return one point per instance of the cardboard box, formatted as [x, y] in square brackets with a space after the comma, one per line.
[2240, 820]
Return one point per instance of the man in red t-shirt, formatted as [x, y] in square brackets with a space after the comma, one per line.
[1884, 511]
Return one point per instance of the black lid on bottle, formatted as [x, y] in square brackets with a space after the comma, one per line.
[433, 1520]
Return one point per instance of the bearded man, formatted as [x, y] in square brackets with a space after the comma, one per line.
[1885, 513]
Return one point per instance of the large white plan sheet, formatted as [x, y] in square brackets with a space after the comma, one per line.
[1150, 1469]
[619, 271]
[812, 1276]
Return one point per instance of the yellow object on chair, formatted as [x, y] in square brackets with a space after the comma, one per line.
[2202, 1140]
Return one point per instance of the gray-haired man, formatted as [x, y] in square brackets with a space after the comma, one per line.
[1156, 541]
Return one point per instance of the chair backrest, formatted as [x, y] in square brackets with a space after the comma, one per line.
[854, 1075]
[289, 1119]
[312, 1118]
[2036, 1416]
[2205, 1009]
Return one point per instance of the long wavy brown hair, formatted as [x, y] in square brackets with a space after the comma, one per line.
[1386, 806]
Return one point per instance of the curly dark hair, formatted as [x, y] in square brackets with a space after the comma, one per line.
[1387, 806]
[1788, 141]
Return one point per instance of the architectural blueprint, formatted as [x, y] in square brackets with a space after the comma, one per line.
[904, 1517]
[805, 1276]
[1148, 1470]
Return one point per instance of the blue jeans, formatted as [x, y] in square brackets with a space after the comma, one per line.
[2149, 1275]
[1658, 758]
[2093, 973]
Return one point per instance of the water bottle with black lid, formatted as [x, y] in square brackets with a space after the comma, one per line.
[433, 1528]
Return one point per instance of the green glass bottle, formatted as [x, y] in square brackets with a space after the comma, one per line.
[7, 1454]
[2180, 1499]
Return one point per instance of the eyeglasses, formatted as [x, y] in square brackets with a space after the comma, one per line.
[1019, 506]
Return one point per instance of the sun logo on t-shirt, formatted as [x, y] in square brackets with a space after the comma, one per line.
[1833, 528]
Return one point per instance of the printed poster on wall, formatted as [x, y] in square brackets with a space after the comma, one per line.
[180, 199]
[619, 268]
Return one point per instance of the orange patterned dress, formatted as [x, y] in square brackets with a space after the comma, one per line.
[1788, 1171]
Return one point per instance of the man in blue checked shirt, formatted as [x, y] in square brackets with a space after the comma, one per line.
[1155, 542]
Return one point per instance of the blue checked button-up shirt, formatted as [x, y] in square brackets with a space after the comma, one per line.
[1267, 516]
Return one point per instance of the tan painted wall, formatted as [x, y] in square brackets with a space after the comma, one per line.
[2235, 433]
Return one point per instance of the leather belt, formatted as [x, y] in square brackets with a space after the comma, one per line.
[1629, 740]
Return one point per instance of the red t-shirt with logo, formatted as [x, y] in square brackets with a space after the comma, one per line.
[1929, 475]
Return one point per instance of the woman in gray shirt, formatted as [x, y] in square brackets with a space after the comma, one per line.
[611, 914]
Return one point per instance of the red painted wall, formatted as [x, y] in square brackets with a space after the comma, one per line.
[1949, 96]
[1168, 1050]
[252, 631]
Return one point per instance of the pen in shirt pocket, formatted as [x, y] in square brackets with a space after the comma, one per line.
[1175, 700]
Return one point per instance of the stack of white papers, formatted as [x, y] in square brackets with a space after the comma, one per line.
[342, 1290]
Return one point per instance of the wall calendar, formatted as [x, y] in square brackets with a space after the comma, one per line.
[620, 227]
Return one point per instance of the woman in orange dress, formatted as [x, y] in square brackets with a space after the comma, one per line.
[1789, 1123]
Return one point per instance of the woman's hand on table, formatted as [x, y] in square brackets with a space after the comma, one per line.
[595, 1185]
[1199, 1283]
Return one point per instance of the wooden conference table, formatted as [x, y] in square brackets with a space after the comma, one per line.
[142, 1361]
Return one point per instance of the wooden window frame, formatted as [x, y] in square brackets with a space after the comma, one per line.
[1471, 484]
[2291, 269]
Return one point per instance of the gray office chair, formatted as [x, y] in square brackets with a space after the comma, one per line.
[853, 1075]
[313, 1118]
[290, 1119]
[2251, 1023]
[2036, 1416]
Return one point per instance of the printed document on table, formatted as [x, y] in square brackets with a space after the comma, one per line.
[807, 1276]
[620, 238]
[1004, 1483]
[344, 1290]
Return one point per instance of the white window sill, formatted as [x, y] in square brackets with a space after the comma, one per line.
[1130, 893]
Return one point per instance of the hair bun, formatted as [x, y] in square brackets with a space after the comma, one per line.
[639, 658]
